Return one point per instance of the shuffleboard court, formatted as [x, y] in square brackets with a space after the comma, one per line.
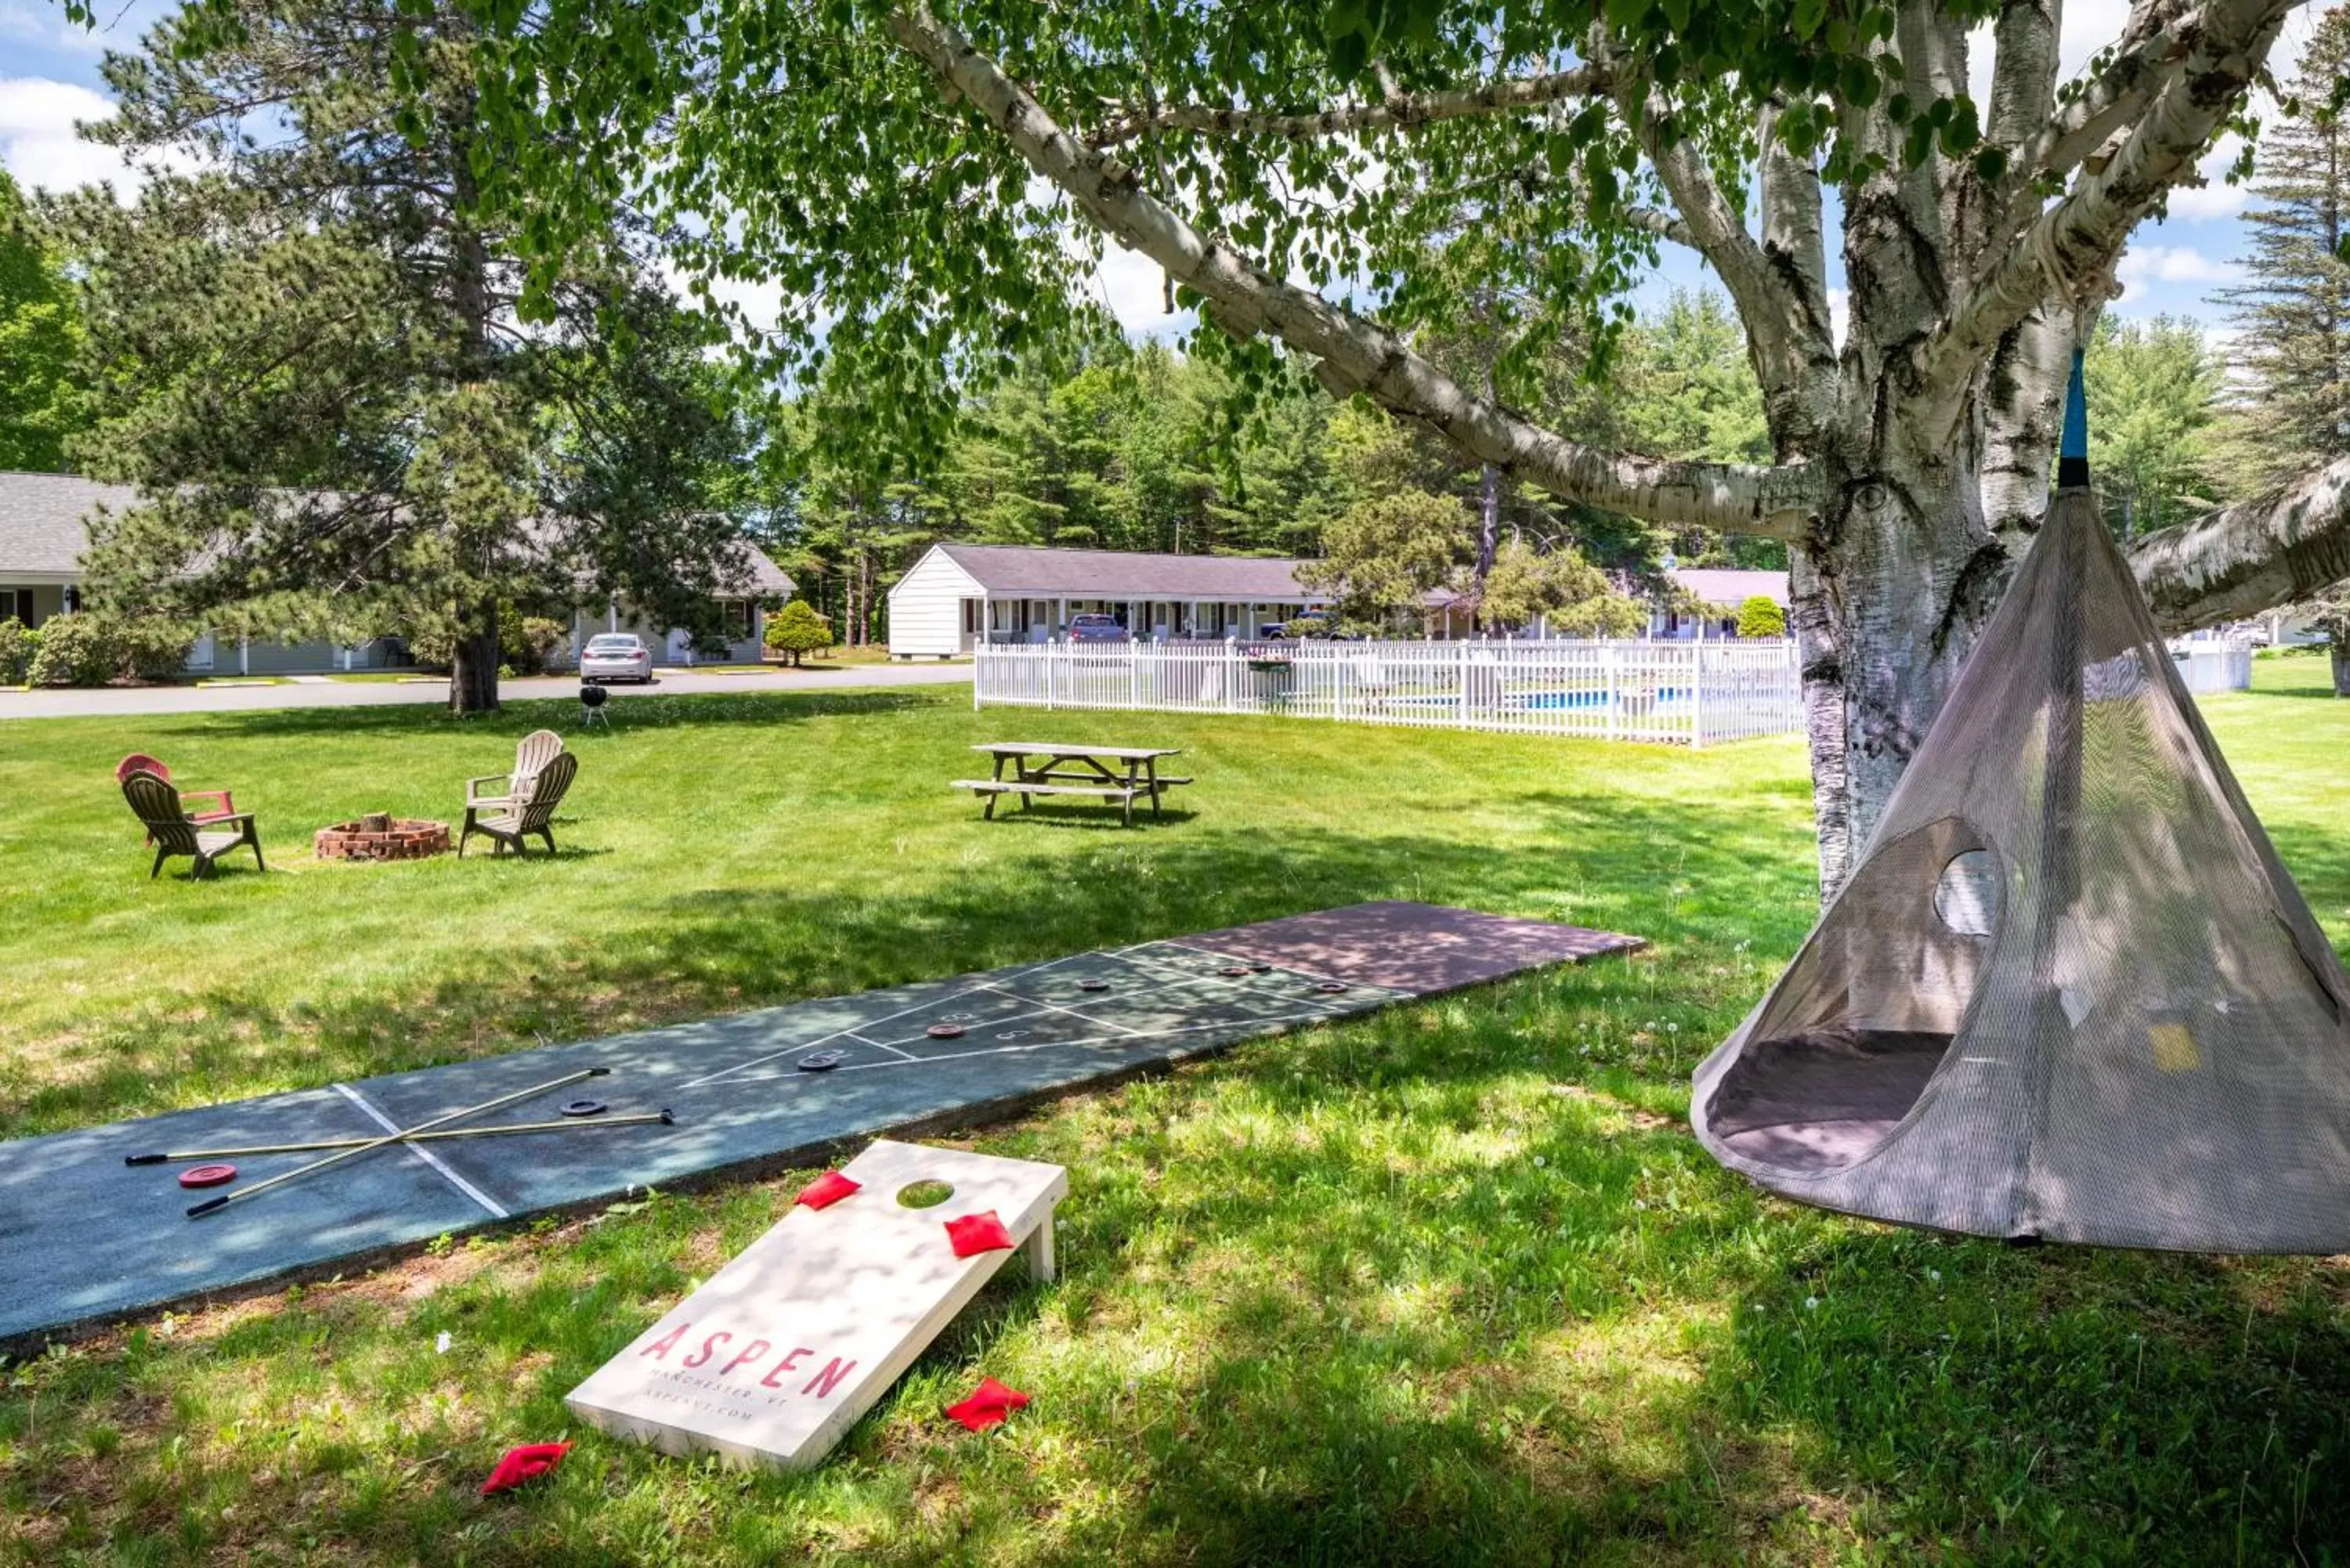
[85, 1238]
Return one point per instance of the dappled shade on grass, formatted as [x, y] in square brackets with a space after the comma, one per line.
[1452, 1284]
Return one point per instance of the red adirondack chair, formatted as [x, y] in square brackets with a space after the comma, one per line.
[220, 810]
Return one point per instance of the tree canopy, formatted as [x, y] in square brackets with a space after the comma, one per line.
[43, 397]
[310, 360]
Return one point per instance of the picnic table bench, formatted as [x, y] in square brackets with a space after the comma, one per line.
[1105, 772]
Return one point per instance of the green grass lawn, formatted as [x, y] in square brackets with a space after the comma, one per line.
[1449, 1284]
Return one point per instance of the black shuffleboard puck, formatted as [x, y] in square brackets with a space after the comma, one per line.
[584, 1108]
[821, 1061]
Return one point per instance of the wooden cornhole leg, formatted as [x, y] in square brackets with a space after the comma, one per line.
[779, 1353]
[1038, 1250]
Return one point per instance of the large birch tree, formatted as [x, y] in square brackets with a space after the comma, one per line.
[924, 181]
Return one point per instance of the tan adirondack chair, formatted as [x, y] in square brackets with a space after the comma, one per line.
[507, 823]
[536, 749]
[157, 805]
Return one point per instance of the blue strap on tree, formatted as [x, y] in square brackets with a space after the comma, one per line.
[2072, 451]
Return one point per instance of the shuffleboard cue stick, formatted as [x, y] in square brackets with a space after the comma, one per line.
[210, 1204]
[569, 1124]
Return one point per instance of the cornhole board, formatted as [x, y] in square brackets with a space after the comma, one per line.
[774, 1359]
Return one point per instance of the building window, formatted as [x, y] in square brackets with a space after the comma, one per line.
[16, 603]
[738, 619]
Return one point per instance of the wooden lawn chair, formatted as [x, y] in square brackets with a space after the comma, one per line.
[535, 751]
[157, 805]
[510, 822]
[220, 810]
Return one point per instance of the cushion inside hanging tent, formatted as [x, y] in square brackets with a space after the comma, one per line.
[1862, 1021]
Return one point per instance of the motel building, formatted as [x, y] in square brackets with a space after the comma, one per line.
[958, 595]
[44, 532]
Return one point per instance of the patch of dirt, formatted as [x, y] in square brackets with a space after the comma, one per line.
[1647, 1121]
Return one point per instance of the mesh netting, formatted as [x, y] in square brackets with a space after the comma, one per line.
[2069, 991]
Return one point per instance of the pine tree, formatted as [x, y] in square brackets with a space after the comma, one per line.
[315, 368]
[797, 631]
[2294, 313]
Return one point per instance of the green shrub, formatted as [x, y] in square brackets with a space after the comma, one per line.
[18, 644]
[76, 651]
[524, 641]
[150, 647]
[798, 629]
[523, 644]
[1762, 617]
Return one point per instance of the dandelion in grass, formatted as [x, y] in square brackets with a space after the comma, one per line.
[1811, 1303]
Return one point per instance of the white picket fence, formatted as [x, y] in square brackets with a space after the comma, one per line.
[1688, 693]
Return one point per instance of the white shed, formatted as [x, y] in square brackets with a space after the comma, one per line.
[957, 594]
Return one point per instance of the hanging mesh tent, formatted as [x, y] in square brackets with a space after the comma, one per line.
[2069, 991]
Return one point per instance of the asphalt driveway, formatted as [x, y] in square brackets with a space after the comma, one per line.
[67, 703]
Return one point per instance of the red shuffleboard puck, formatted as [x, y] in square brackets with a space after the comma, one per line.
[207, 1174]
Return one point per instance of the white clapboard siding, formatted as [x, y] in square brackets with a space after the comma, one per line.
[926, 608]
[1690, 693]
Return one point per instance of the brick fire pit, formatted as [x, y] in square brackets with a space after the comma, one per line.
[379, 837]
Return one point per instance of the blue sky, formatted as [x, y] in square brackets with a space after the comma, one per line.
[48, 79]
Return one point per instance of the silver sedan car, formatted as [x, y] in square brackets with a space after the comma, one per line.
[615, 655]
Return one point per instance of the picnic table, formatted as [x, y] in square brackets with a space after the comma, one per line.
[1106, 772]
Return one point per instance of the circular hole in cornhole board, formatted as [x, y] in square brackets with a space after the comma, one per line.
[923, 1194]
[944, 1032]
[207, 1174]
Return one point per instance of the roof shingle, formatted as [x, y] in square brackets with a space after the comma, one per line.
[43, 529]
[1125, 573]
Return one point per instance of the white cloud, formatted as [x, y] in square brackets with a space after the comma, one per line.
[37, 143]
[2142, 265]
[1135, 289]
[1840, 312]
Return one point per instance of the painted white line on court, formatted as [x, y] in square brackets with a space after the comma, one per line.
[1072, 1011]
[883, 1045]
[426, 1155]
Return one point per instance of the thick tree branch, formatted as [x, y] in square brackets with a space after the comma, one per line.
[2248, 558]
[2070, 249]
[1787, 334]
[2110, 100]
[2023, 69]
[1395, 111]
[1354, 355]
[1795, 247]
